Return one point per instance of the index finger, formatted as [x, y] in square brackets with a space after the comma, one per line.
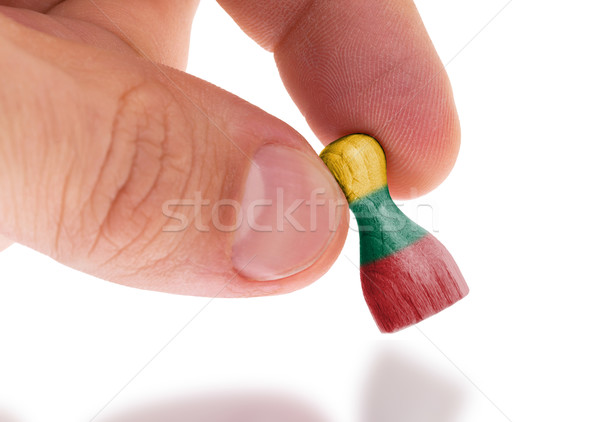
[360, 66]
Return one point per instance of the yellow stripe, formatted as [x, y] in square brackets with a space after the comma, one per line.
[358, 163]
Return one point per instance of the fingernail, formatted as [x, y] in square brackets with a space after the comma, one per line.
[290, 210]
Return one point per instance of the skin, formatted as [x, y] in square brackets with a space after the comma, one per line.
[77, 87]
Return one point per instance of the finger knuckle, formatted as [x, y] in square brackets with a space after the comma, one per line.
[147, 162]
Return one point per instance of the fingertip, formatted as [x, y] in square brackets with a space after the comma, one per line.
[421, 153]
[421, 145]
[247, 287]
[289, 214]
[364, 67]
[376, 72]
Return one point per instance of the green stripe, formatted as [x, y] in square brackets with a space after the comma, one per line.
[383, 228]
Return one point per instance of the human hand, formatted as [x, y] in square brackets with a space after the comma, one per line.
[102, 138]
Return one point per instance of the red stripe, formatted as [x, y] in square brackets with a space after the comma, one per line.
[412, 284]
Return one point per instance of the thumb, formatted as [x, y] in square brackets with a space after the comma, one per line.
[148, 177]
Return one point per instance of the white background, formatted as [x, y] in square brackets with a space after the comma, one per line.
[519, 213]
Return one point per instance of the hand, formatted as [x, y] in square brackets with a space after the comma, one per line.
[104, 143]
